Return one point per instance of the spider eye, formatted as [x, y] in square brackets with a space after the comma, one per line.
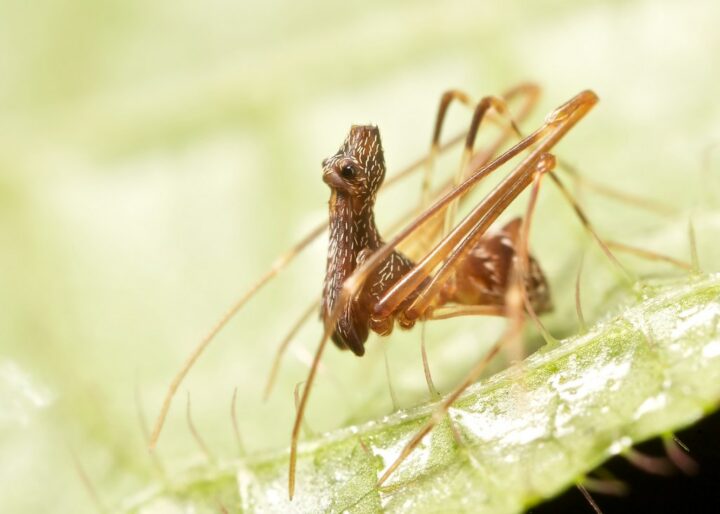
[347, 171]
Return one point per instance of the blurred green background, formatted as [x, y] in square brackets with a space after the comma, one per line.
[156, 156]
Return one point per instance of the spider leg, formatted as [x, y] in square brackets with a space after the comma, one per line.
[455, 311]
[640, 202]
[529, 91]
[277, 266]
[280, 352]
[426, 366]
[445, 100]
[479, 112]
[512, 333]
[589, 227]
[606, 246]
[648, 254]
[523, 246]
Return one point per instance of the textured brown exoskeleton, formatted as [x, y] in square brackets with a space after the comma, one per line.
[370, 285]
[528, 91]
[354, 175]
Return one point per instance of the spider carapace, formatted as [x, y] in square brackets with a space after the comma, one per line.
[482, 277]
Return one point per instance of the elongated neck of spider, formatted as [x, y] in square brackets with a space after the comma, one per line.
[354, 175]
[352, 223]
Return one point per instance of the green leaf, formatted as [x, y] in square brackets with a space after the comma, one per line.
[526, 433]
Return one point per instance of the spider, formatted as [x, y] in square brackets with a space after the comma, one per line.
[370, 285]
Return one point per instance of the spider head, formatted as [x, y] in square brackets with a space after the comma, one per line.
[358, 167]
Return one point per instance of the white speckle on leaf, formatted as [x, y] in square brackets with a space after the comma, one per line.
[20, 395]
[712, 349]
[650, 405]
